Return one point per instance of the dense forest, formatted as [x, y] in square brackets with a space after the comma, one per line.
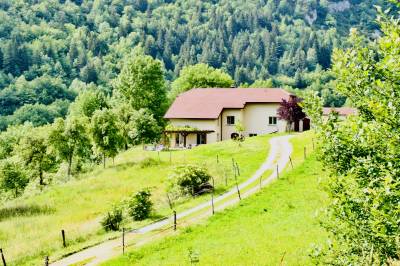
[53, 49]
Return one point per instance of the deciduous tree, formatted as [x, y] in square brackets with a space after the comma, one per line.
[291, 111]
[105, 133]
[142, 83]
[34, 151]
[70, 138]
[12, 177]
[200, 76]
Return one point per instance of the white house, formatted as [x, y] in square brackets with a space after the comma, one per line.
[201, 116]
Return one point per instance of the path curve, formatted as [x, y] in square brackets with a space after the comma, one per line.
[280, 150]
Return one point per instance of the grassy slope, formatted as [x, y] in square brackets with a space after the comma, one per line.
[277, 223]
[78, 205]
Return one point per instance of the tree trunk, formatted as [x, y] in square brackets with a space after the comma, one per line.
[41, 177]
[104, 160]
[69, 165]
[126, 146]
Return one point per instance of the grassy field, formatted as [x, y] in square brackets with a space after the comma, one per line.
[30, 226]
[277, 226]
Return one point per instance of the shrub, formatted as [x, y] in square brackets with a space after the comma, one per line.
[190, 179]
[112, 221]
[140, 205]
[12, 177]
[148, 162]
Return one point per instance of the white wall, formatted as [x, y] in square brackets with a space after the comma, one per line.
[256, 117]
[201, 124]
[227, 130]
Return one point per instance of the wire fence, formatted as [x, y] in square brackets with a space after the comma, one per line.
[234, 170]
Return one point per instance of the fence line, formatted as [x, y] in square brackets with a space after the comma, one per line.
[236, 173]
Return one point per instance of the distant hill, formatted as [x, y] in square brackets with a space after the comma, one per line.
[50, 49]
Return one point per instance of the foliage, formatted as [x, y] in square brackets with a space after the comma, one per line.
[125, 114]
[171, 127]
[88, 102]
[262, 84]
[9, 139]
[290, 110]
[148, 162]
[105, 133]
[312, 106]
[144, 127]
[141, 83]
[35, 153]
[189, 178]
[363, 153]
[113, 220]
[70, 138]
[79, 202]
[140, 205]
[12, 177]
[264, 227]
[240, 129]
[49, 46]
[199, 76]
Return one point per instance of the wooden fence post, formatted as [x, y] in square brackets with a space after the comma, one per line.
[291, 162]
[123, 240]
[212, 196]
[238, 169]
[277, 171]
[174, 220]
[2, 257]
[305, 153]
[63, 238]
[217, 159]
[46, 261]
[237, 187]
[169, 201]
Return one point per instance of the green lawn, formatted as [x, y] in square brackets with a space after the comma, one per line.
[277, 224]
[78, 205]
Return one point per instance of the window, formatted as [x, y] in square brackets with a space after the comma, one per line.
[252, 135]
[201, 139]
[230, 120]
[272, 120]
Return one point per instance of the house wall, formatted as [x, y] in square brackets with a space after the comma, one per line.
[227, 130]
[256, 117]
[202, 124]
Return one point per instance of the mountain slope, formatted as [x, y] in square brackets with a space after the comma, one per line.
[68, 44]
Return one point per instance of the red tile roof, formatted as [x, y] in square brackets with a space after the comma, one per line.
[345, 111]
[209, 103]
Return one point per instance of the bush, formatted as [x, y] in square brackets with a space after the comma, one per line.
[140, 205]
[112, 221]
[190, 179]
[148, 162]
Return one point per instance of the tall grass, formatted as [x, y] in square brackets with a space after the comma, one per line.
[78, 206]
[277, 226]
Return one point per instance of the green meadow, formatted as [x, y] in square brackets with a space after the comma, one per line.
[30, 226]
[277, 226]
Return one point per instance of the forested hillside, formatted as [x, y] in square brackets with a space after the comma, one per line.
[52, 49]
